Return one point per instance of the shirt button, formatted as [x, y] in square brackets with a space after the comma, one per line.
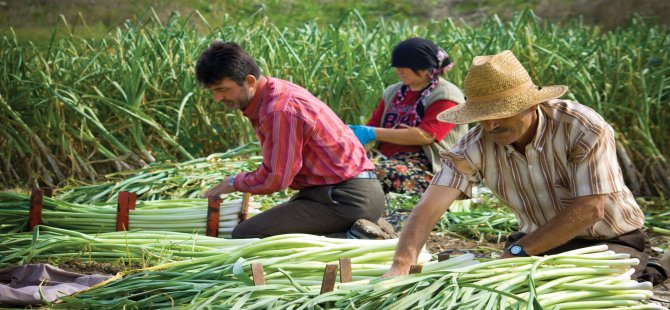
[530, 166]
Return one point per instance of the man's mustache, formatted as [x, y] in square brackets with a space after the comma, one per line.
[498, 130]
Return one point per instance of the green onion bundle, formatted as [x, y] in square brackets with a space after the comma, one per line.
[658, 221]
[167, 180]
[131, 248]
[583, 279]
[474, 219]
[587, 278]
[182, 215]
[482, 217]
[292, 263]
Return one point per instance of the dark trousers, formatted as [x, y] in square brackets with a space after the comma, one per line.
[318, 210]
[634, 243]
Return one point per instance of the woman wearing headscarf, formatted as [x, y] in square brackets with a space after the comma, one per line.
[405, 124]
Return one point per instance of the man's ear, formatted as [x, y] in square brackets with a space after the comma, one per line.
[251, 81]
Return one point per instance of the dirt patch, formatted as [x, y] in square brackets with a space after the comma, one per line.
[443, 243]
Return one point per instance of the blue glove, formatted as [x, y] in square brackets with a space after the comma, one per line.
[364, 134]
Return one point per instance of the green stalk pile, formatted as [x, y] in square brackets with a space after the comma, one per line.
[167, 180]
[81, 108]
[486, 218]
[196, 271]
[478, 220]
[591, 278]
[483, 217]
[658, 221]
[293, 263]
[182, 215]
[152, 248]
[131, 248]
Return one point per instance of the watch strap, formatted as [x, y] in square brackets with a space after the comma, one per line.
[521, 252]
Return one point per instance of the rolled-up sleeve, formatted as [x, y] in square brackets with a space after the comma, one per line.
[594, 164]
[453, 173]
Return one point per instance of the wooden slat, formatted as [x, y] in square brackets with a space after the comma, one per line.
[132, 197]
[415, 269]
[35, 212]
[345, 270]
[213, 211]
[442, 256]
[329, 277]
[257, 274]
[244, 210]
[122, 211]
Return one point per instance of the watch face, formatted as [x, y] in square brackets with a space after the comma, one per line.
[515, 249]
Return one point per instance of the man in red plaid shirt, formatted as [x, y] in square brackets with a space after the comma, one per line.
[305, 146]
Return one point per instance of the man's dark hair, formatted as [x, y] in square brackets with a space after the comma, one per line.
[225, 60]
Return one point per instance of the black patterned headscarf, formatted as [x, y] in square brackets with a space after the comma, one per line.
[420, 54]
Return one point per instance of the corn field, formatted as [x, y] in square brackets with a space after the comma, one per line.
[76, 108]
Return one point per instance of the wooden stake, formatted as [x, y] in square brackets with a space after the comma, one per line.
[442, 256]
[415, 269]
[257, 274]
[35, 213]
[345, 270]
[132, 197]
[123, 211]
[329, 276]
[244, 210]
[213, 211]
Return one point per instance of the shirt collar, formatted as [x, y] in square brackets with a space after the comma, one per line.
[539, 139]
[540, 136]
[251, 110]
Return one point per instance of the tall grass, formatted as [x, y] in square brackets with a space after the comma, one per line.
[84, 107]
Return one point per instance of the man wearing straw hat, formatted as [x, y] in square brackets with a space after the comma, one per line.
[552, 161]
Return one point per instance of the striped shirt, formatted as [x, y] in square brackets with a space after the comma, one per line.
[573, 154]
[303, 142]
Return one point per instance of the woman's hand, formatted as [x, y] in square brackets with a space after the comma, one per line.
[364, 134]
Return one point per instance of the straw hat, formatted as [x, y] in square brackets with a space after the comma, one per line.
[497, 86]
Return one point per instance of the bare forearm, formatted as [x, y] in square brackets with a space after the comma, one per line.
[403, 136]
[582, 214]
[413, 237]
[420, 223]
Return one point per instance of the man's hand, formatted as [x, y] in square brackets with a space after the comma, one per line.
[434, 202]
[224, 187]
[396, 271]
[583, 213]
[364, 134]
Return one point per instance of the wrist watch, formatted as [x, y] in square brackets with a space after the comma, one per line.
[231, 182]
[517, 250]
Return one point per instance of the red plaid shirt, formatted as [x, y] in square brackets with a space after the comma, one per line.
[303, 142]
